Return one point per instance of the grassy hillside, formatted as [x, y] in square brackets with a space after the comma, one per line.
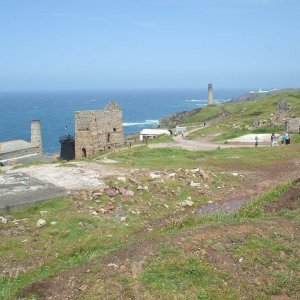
[220, 224]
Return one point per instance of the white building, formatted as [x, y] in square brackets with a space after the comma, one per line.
[152, 133]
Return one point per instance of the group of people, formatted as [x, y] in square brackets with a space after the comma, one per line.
[285, 139]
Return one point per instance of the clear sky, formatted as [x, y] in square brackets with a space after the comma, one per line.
[104, 44]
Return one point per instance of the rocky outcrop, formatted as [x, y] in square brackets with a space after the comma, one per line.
[177, 119]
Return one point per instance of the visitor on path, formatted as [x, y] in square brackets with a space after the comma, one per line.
[256, 141]
[273, 139]
[283, 139]
[287, 138]
[204, 124]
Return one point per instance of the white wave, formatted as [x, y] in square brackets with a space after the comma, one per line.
[147, 122]
[195, 100]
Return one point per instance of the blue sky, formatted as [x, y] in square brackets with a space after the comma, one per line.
[105, 44]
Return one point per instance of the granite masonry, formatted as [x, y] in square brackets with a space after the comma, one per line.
[97, 130]
[12, 152]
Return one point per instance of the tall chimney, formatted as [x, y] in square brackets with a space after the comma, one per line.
[210, 96]
[36, 135]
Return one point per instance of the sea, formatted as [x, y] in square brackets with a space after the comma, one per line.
[55, 109]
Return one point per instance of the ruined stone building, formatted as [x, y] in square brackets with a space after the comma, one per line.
[97, 130]
[16, 151]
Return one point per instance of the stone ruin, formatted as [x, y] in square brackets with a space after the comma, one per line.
[282, 117]
[98, 130]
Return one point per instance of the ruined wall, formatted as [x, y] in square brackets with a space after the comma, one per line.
[96, 130]
[19, 153]
[293, 125]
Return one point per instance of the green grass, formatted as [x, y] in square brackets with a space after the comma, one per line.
[175, 158]
[172, 274]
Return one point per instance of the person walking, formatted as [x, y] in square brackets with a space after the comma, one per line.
[256, 141]
[273, 138]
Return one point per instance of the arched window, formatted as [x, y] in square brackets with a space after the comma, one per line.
[114, 129]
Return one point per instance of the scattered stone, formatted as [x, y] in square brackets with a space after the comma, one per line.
[126, 192]
[97, 201]
[186, 203]
[241, 260]
[172, 175]
[24, 241]
[3, 220]
[43, 212]
[166, 205]
[235, 174]
[112, 265]
[41, 223]
[111, 192]
[83, 287]
[195, 170]
[154, 175]
[53, 222]
[102, 210]
[98, 194]
[204, 174]
[134, 181]
[94, 213]
[123, 219]
[195, 184]
[121, 178]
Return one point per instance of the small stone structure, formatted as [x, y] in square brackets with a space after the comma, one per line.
[97, 130]
[210, 97]
[14, 151]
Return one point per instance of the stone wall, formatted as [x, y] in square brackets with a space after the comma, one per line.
[293, 125]
[19, 153]
[96, 130]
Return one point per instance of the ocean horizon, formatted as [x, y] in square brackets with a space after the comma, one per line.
[55, 109]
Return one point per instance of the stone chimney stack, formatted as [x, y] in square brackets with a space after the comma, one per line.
[210, 96]
[36, 135]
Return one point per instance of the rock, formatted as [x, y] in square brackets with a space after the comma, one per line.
[172, 175]
[102, 210]
[166, 205]
[112, 265]
[186, 203]
[83, 287]
[97, 201]
[41, 223]
[195, 184]
[3, 220]
[195, 170]
[121, 178]
[241, 260]
[111, 192]
[134, 181]
[123, 219]
[126, 192]
[140, 187]
[53, 222]
[204, 174]
[234, 174]
[98, 194]
[43, 212]
[154, 175]
[94, 213]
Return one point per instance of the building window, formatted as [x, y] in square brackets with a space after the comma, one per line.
[114, 129]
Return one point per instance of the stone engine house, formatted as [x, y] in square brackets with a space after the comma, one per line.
[97, 130]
